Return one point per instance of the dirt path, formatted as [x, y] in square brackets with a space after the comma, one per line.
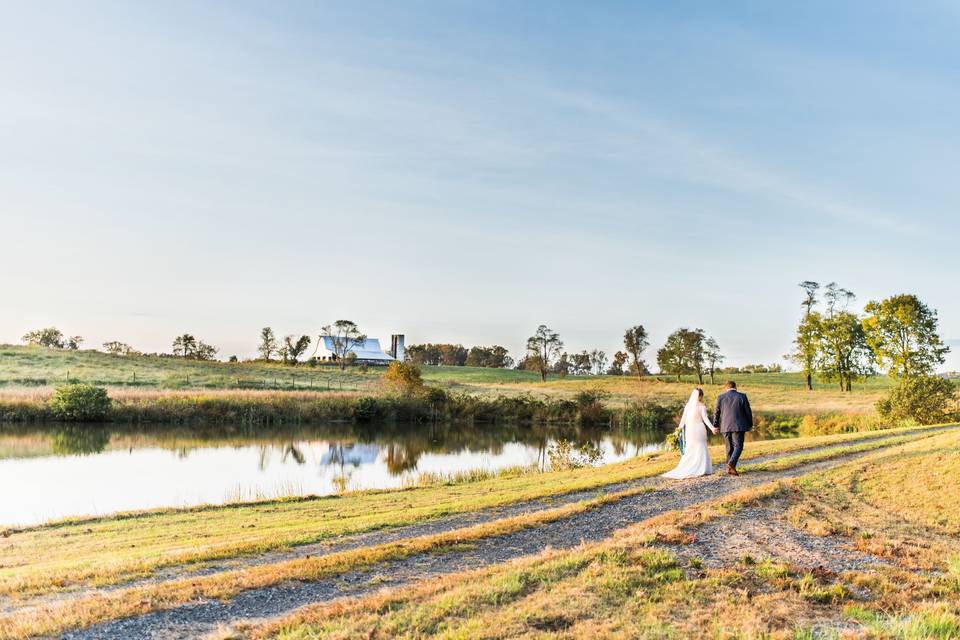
[194, 620]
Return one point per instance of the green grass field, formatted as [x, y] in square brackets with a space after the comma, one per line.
[39, 366]
[27, 365]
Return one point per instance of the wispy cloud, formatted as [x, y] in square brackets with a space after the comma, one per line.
[703, 162]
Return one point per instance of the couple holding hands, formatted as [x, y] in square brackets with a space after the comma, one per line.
[732, 417]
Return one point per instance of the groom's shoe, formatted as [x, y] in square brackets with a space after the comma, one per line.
[731, 470]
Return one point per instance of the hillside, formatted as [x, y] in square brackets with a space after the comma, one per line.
[22, 366]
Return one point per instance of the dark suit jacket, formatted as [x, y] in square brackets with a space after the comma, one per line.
[733, 413]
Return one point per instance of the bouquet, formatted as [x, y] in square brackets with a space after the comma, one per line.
[676, 440]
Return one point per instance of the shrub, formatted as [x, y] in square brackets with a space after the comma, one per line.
[565, 455]
[403, 377]
[590, 406]
[926, 399]
[650, 415]
[80, 403]
[366, 408]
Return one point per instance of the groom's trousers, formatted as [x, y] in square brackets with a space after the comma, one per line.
[734, 442]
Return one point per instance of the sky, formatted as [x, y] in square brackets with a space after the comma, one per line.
[465, 171]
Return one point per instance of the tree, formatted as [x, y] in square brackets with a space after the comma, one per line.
[902, 332]
[268, 344]
[50, 337]
[118, 348]
[635, 340]
[598, 360]
[345, 336]
[187, 346]
[843, 353]
[204, 351]
[545, 345]
[712, 356]
[478, 357]
[684, 352]
[494, 357]
[808, 333]
[562, 367]
[184, 345]
[696, 343]
[616, 365]
[293, 349]
[73, 343]
[673, 357]
[499, 358]
[453, 355]
[581, 363]
[422, 354]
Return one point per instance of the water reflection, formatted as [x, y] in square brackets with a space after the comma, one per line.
[94, 469]
[79, 440]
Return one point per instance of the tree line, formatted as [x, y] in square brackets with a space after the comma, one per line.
[52, 338]
[898, 333]
[456, 355]
[832, 340]
[545, 355]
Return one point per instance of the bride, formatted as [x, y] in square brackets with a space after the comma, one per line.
[695, 460]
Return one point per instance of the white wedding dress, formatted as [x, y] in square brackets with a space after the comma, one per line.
[695, 461]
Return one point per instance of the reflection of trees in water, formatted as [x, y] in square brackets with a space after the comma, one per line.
[79, 439]
[292, 451]
[352, 445]
[405, 444]
[402, 457]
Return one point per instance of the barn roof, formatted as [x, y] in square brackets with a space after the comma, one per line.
[369, 350]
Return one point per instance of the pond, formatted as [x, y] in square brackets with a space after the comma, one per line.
[56, 471]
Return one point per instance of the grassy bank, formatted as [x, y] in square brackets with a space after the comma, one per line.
[245, 407]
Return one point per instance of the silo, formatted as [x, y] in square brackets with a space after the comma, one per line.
[396, 347]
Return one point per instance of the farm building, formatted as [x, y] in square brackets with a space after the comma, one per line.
[366, 352]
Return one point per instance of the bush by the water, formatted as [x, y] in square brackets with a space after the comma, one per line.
[650, 415]
[80, 403]
[366, 408]
[925, 400]
[566, 455]
[403, 377]
[590, 406]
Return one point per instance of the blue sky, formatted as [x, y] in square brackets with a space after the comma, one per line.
[464, 171]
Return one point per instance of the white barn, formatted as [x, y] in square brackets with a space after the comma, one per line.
[368, 352]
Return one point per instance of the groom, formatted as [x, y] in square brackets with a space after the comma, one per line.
[734, 417]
